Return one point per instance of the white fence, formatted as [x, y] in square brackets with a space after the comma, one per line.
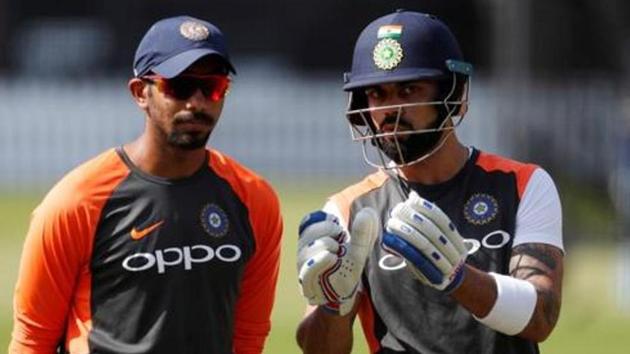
[289, 126]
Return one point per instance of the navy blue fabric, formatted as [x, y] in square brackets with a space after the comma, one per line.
[165, 51]
[427, 44]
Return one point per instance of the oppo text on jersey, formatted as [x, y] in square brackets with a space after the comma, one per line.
[493, 240]
[175, 256]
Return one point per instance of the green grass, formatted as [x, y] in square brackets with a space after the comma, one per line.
[589, 208]
[589, 320]
[15, 212]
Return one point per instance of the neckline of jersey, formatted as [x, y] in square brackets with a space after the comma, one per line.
[162, 180]
[439, 187]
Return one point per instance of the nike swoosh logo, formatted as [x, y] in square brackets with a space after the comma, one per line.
[138, 234]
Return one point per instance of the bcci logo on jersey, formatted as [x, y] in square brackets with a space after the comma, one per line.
[214, 220]
[481, 209]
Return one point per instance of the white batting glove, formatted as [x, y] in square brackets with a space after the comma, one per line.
[330, 262]
[421, 233]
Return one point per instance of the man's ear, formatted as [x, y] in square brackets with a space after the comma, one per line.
[139, 91]
[463, 108]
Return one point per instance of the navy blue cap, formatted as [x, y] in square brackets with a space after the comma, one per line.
[404, 46]
[173, 44]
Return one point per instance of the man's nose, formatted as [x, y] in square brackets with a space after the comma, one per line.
[197, 100]
[390, 114]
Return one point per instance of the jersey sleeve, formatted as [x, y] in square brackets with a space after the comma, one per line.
[52, 257]
[539, 215]
[50, 303]
[258, 286]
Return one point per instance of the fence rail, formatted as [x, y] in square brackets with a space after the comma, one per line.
[292, 127]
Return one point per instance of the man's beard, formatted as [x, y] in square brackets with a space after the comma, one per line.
[412, 146]
[188, 140]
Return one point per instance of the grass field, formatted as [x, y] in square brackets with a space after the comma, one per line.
[589, 321]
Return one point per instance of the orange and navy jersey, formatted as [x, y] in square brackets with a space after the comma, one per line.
[488, 201]
[119, 261]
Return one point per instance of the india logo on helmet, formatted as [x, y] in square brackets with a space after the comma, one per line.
[388, 53]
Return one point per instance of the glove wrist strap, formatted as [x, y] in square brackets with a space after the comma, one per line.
[458, 278]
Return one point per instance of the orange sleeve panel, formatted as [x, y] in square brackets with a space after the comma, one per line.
[522, 171]
[52, 291]
[344, 199]
[366, 315]
[253, 310]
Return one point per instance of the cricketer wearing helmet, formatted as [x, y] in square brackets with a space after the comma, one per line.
[445, 248]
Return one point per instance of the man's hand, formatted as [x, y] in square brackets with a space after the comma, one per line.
[421, 233]
[330, 262]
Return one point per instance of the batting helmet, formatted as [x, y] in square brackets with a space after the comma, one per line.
[406, 46]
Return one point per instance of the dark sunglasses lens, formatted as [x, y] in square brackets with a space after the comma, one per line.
[214, 89]
[182, 87]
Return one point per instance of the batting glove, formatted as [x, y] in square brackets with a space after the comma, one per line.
[330, 262]
[421, 233]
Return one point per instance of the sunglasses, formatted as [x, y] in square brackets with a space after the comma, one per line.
[182, 87]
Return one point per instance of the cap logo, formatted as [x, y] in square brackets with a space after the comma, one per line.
[388, 53]
[194, 31]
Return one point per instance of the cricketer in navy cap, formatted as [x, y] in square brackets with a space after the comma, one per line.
[171, 45]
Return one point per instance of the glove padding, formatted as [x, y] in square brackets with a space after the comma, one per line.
[330, 262]
[421, 233]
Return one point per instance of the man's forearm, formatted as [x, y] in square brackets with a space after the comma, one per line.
[477, 292]
[322, 332]
[543, 266]
[538, 264]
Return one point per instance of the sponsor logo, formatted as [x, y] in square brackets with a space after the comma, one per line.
[481, 209]
[186, 256]
[494, 240]
[214, 220]
[137, 234]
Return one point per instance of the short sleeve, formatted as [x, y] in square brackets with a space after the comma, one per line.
[539, 216]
